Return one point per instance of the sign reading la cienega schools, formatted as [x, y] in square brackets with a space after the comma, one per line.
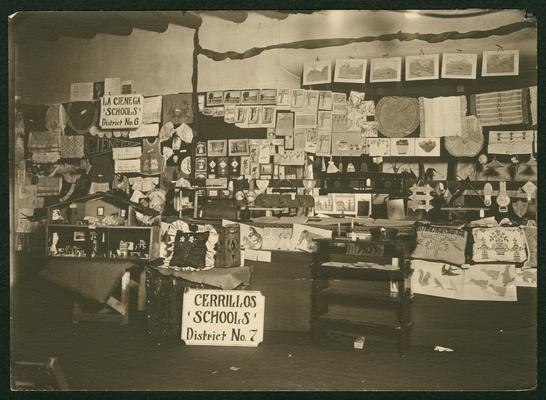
[123, 111]
[223, 317]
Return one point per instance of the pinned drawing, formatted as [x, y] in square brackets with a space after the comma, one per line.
[317, 72]
[386, 69]
[422, 67]
[459, 66]
[500, 62]
[350, 70]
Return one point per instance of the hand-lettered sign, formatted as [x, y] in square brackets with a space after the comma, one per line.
[122, 111]
[223, 317]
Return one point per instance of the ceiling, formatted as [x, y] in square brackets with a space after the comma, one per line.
[51, 25]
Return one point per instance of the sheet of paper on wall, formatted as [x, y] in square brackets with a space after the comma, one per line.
[151, 109]
[127, 166]
[299, 138]
[311, 140]
[324, 143]
[127, 87]
[356, 119]
[303, 235]
[369, 129]
[325, 100]
[264, 153]
[437, 279]
[356, 98]
[112, 86]
[493, 282]
[297, 99]
[251, 236]
[81, 91]
[145, 130]
[510, 142]
[283, 99]
[285, 123]
[311, 101]
[263, 256]
[305, 120]
[339, 122]
[293, 157]
[324, 120]
[402, 147]
[379, 147]
[348, 144]
[427, 147]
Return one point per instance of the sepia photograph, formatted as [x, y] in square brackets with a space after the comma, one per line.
[273, 199]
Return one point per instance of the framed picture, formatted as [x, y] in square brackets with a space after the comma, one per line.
[304, 120]
[215, 98]
[363, 204]
[459, 66]
[386, 69]
[232, 97]
[238, 147]
[217, 148]
[201, 149]
[500, 63]
[100, 211]
[254, 115]
[79, 236]
[268, 116]
[422, 67]
[283, 97]
[250, 96]
[350, 70]
[268, 96]
[317, 72]
[266, 169]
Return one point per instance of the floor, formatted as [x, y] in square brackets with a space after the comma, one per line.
[110, 357]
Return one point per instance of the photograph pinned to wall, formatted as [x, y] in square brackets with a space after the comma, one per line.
[422, 67]
[266, 171]
[427, 147]
[324, 143]
[285, 123]
[344, 203]
[268, 96]
[339, 122]
[217, 148]
[254, 115]
[500, 62]
[311, 140]
[283, 97]
[299, 138]
[324, 204]
[304, 120]
[215, 98]
[350, 70]
[311, 101]
[201, 149]
[437, 279]
[268, 116]
[402, 147]
[289, 141]
[250, 96]
[363, 204]
[79, 236]
[379, 147]
[387, 69]
[348, 144]
[459, 65]
[229, 113]
[297, 99]
[303, 235]
[324, 120]
[232, 97]
[238, 147]
[490, 282]
[317, 72]
[325, 100]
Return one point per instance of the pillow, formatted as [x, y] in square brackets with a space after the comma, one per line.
[499, 244]
[190, 249]
[440, 243]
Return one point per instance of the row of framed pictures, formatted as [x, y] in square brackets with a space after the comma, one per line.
[356, 204]
[420, 67]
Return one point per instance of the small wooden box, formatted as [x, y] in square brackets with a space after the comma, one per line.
[229, 246]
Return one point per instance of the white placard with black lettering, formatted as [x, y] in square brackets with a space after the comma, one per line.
[223, 317]
[123, 111]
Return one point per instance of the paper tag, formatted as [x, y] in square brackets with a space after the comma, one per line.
[264, 256]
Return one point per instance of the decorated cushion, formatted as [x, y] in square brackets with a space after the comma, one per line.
[499, 244]
[440, 243]
[531, 241]
[190, 249]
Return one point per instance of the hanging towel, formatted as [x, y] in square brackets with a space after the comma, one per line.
[442, 116]
[501, 108]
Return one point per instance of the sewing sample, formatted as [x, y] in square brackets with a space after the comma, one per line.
[510, 142]
[500, 108]
[126, 153]
[440, 243]
[151, 159]
[442, 116]
[151, 109]
[72, 146]
[127, 166]
[499, 244]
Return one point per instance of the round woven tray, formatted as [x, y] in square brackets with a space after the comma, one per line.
[397, 116]
[471, 141]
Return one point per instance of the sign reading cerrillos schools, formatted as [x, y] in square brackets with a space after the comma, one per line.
[223, 317]
[123, 111]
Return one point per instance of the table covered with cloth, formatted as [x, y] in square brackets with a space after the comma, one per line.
[93, 279]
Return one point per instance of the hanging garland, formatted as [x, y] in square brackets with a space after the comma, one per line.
[402, 36]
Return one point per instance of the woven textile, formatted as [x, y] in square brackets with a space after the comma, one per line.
[501, 108]
[397, 116]
[442, 116]
[73, 146]
[499, 244]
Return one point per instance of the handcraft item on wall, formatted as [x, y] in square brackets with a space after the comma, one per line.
[510, 142]
[177, 108]
[442, 116]
[82, 115]
[152, 162]
[72, 146]
[440, 243]
[501, 108]
[499, 244]
[397, 116]
[420, 197]
[471, 141]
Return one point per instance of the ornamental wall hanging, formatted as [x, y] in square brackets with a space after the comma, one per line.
[397, 116]
[420, 197]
